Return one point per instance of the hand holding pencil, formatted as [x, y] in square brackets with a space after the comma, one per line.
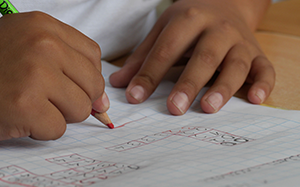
[47, 77]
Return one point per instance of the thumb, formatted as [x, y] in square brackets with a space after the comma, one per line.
[101, 105]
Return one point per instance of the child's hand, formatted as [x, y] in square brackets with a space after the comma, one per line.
[216, 35]
[50, 74]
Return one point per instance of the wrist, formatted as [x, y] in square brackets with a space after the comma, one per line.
[252, 10]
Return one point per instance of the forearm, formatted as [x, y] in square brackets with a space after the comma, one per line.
[252, 10]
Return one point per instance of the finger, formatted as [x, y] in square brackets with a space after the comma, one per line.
[76, 85]
[262, 75]
[134, 62]
[69, 99]
[235, 69]
[207, 56]
[37, 118]
[83, 44]
[174, 40]
[48, 124]
[76, 67]
[101, 105]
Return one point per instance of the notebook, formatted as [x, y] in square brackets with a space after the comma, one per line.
[243, 145]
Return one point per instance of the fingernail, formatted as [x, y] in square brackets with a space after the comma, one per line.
[137, 92]
[181, 101]
[102, 104]
[261, 95]
[215, 100]
[105, 100]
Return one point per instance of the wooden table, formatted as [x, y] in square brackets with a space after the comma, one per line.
[283, 17]
[284, 52]
[279, 37]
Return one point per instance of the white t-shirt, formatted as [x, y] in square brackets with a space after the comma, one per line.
[116, 25]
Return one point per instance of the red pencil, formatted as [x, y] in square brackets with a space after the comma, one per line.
[103, 117]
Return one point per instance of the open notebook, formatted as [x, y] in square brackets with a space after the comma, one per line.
[243, 145]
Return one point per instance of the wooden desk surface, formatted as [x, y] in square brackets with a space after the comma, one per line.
[283, 51]
[283, 17]
[279, 37]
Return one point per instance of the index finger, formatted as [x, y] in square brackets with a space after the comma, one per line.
[173, 41]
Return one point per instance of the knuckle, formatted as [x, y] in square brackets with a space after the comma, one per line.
[162, 54]
[43, 42]
[251, 46]
[36, 16]
[96, 56]
[225, 88]
[25, 99]
[148, 79]
[97, 91]
[25, 110]
[32, 76]
[96, 50]
[191, 12]
[208, 58]
[21, 102]
[190, 86]
[240, 65]
[226, 26]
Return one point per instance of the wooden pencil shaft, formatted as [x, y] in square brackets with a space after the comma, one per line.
[103, 117]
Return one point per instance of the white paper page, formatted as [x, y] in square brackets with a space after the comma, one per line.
[242, 145]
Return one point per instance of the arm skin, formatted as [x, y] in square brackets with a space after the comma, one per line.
[253, 10]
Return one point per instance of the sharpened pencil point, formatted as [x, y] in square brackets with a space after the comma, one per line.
[111, 126]
[103, 117]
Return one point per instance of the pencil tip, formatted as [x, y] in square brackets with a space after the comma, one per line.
[93, 112]
[111, 126]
